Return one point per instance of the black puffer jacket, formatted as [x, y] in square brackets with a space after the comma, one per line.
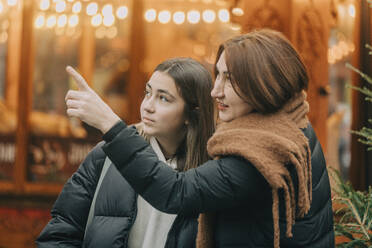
[230, 187]
[115, 211]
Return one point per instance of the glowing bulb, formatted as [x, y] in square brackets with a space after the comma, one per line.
[178, 17]
[107, 10]
[164, 16]
[61, 6]
[236, 27]
[39, 21]
[3, 37]
[92, 9]
[108, 20]
[209, 16]
[150, 15]
[100, 32]
[111, 32]
[62, 21]
[44, 4]
[237, 11]
[193, 16]
[224, 15]
[12, 2]
[122, 12]
[73, 21]
[96, 20]
[51, 21]
[351, 9]
[76, 8]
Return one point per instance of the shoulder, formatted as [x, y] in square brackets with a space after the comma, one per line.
[239, 171]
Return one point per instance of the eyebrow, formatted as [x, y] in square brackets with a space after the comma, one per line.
[162, 91]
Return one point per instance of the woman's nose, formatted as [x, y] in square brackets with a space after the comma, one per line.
[149, 105]
[217, 91]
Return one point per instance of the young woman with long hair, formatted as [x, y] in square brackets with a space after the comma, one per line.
[177, 120]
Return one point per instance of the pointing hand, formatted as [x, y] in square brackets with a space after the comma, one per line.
[86, 105]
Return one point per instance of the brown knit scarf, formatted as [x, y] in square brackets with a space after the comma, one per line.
[270, 143]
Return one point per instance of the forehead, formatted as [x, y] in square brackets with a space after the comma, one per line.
[162, 81]
[221, 63]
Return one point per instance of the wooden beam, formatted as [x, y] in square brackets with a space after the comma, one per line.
[137, 55]
[24, 96]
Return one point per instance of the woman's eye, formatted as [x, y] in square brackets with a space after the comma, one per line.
[164, 99]
[147, 93]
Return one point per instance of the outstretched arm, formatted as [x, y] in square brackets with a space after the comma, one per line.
[213, 186]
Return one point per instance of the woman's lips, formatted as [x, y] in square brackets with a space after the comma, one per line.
[222, 106]
[147, 120]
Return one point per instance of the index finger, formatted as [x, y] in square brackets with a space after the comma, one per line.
[80, 81]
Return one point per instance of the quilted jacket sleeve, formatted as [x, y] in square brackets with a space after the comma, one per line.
[213, 186]
[70, 211]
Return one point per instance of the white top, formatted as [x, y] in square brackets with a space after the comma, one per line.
[151, 227]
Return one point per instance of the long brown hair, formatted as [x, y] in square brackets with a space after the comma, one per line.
[194, 84]
[265, 69]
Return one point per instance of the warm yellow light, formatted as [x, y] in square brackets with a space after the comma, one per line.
[237, 11]
[178, 17]
[351, 47]
[108, 20]
[60, 6]
[150, 15]
[5, 24]
[51, 21]
[199, 50]
[193, 16]
[44, 4]
[39, 21]
[3, 37]
[96, 20]
[62, 21]
[209, 16]
[107, 10]
[100, 32]
[111, 32]
[164, 16]
[73, 21]
[343, 47]
[76, 8]
[236, 27]
[92, 9]
[351, 9]
[122, 12]
[224, 15]
[12, 2]
[70, 1]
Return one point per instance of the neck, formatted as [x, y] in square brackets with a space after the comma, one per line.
[169, 145]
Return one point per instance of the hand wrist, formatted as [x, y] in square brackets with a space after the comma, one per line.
[109, 123]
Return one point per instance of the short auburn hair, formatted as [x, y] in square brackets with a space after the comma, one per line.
[265, 69]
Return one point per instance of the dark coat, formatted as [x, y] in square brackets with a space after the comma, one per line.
[115, 211]
[230, 187]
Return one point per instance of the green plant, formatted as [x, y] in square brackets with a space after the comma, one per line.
[353, 219]
[365, 133]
